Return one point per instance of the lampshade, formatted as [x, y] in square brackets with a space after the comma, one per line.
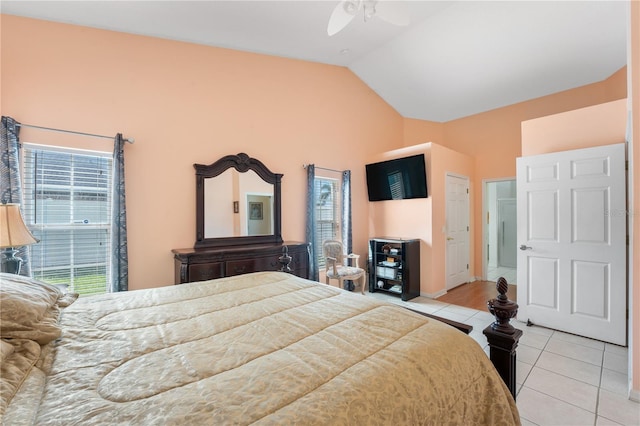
[13, 231]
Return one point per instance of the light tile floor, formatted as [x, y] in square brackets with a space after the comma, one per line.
[562, 379]
[495, 272]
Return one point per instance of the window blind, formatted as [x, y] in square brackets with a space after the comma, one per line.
[327, 214]
[67, 206]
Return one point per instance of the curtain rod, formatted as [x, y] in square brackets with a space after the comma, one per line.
[130, 140]
[304, 166]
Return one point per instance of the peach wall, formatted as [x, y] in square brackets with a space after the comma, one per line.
[407, 219]
[493, 138]
[184, 104]
[444, 161]
[421, 131]
[422, 218]
[603, 124]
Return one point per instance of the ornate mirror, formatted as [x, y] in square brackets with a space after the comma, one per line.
[237, 203]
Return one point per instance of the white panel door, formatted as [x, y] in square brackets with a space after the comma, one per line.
[457, 230]
[572, 236]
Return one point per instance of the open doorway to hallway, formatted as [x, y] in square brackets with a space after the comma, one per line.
[475, 295]
[499, 230]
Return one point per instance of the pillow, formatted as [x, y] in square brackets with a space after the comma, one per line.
[15, 368]
[6, 349]
[30, 309]
[67, 299]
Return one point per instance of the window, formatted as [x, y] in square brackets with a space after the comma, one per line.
[396, 185]
[67, 206]
[327, 204]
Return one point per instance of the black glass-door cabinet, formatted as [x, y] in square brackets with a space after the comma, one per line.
[394, 266]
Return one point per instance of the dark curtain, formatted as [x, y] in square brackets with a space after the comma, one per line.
[119, 256]
[345, 201]
[10, 178]
[311, 222]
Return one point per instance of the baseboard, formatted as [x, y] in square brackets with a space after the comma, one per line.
[634, 395]
[434, 295]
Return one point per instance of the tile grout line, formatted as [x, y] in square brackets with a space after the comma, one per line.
[524, 381]
[562, 401]
[600, 385]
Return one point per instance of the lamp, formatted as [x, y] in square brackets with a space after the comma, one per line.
[13, 233]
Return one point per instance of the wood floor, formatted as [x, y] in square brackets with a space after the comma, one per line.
[475, 295]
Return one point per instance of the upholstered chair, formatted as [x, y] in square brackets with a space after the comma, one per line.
[337, 267]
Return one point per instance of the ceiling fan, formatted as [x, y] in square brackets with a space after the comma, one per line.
[393, 12]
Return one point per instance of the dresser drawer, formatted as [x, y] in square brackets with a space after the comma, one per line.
[239, 267]
[211, 263]
[206, 271]
[299, 261]
[245, 266]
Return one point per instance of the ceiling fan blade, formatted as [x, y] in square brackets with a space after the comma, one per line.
[344, 12]
[393, 12]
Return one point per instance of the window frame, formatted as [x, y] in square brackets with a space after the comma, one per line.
[101, 267]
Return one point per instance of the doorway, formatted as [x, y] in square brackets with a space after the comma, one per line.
[499, 230]
[457, 228]
[259, 220]
[572, 236]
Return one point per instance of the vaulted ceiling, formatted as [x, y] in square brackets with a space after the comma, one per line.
[454, 59]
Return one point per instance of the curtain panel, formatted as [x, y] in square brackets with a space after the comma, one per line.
[311, 222]
[346, 211]
[345, 201]
[119, 252]
[10, 178]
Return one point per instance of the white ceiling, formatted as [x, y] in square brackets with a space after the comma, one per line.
[456, 58]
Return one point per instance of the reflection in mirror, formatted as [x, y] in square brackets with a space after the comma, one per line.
[237, 204]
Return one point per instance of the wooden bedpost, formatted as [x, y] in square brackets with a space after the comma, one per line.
[502, 336]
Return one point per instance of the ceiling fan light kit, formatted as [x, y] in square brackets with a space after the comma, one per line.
[369, 9]
[351, 7]
[392, 12]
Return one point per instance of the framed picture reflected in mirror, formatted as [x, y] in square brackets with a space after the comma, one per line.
[255, 210]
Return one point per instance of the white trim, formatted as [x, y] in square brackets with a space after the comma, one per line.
[632, 169]
[434, 295]
[458, 175]
[77, 151]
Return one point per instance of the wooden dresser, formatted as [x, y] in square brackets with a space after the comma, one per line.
[208, 263]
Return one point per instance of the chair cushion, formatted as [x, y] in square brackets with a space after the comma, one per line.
[345, 271]
[333, 249]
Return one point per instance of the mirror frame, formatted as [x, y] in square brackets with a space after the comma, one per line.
[242, 163]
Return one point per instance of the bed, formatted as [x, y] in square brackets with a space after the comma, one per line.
[259, 348]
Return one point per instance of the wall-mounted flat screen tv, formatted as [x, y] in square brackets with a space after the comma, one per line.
[397, 179]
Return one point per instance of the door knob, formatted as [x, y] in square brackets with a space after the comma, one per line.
[449, 238]
[523, 247]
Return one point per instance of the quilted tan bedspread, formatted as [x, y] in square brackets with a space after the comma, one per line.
[265, 348]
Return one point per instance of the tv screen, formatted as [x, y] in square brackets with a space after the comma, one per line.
[397, 179]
